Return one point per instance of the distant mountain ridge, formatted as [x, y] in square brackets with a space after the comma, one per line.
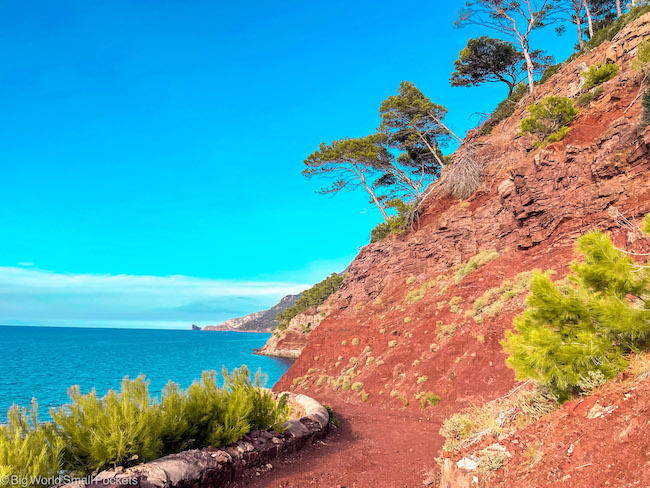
[263, 321]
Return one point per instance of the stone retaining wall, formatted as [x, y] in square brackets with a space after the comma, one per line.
[216, 468]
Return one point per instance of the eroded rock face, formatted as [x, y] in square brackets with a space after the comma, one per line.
[289, 343]
[532, 206]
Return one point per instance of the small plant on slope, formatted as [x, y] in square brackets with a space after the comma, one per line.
[549, 117]
[597, 74]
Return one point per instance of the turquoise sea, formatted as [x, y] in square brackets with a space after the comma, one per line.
[43, 362]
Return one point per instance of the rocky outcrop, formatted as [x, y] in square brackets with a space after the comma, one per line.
[263, 321]
[210, 468]
[288, 343]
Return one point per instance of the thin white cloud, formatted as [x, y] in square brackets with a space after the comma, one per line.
[30, 295]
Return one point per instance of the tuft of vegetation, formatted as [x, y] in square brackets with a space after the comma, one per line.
[445, 330]
[410, 280]
[392, 343]
[394, 224]
[569, 333]
[355, 342]
[333, 420]
[585, 99]
[454, 304]
[357, 386]
[313, 297]
[473, 264]
[549, 116]
[498, 418]
[427, 399]
[92, 433]
[414, 296]
[598, 73]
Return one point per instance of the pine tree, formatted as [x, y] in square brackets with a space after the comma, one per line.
[570, 332]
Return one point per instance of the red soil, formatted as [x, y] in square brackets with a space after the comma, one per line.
[599, 441]
[373, 448]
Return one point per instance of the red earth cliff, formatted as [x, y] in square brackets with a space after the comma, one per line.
[406, 324]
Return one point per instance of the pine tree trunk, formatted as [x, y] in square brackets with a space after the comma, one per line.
[530, 68]
[374, 198]
[619, 12]
[589, 21]
[581, 41]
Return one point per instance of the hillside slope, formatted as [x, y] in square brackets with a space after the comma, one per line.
[423, 313]
[263, 321]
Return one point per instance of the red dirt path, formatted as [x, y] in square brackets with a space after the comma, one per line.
[374, 448]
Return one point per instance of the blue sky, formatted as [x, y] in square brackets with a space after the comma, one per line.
[161, 142]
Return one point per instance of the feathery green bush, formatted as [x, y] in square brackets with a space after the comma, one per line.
[599, 73]
[98, 431]
[28, 448]
[92, 433]
[570, 334]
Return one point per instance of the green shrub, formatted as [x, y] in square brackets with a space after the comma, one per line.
[559, 134]
[127, 426]
[357, 386]
[597, 74]
[549, 116]
[642, 59]
[355, 342]
[395, 223]
[99, 432]
[28, 448]
[571, 332]
[392, 343]
[585, 99]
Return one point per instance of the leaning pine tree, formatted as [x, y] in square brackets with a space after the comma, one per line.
[574, 333]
